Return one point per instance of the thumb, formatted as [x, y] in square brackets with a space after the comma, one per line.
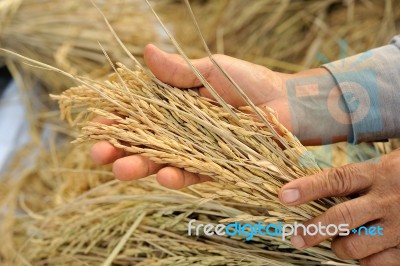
[333, 182]
[172, 68]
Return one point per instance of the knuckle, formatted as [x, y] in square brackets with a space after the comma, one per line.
[317, 187]
[207, 71]
[173, 76]
[387, 165]
[384, 207]
[388, 162]
[339, 181]
[343, 214]
[351, 250]
[147, 166]
[193, 79]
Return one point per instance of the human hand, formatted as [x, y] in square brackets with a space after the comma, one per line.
[375, 187]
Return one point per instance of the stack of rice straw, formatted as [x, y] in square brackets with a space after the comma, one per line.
[62, 210]
[66, 34]
[84, 217]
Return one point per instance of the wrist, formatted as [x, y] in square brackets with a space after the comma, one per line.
[318, 112]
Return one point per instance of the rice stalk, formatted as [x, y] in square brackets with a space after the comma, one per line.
[287, 36]
[86, 214]
[66, 234]
[160, 236]
[66, 33]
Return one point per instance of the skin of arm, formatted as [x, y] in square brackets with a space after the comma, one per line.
[374, 187]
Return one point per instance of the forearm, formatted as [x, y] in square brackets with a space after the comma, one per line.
[370, 83]
[355, 99]
[317, 110]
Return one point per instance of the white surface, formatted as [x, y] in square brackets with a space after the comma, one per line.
[13, 125]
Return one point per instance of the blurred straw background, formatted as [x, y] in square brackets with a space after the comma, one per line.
[66, 34]
[56, 208]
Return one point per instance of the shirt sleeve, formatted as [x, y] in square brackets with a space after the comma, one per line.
[370, 85]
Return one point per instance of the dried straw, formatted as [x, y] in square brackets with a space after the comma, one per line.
[88, 219]
[66, 34]
[283, 35]
[287, 35]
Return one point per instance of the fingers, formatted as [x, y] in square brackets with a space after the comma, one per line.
[366, 241]
[389, 257]
[333, 182]
[173, 70]
[348, 215]
[103, 120]
[203, 91]
[176, 178]
[134, 167]
[103, 152]
[260, 84]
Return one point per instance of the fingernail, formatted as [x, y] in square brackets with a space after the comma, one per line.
[290, 195]
[298, 241]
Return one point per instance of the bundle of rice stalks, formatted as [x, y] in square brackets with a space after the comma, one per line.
[182, 129]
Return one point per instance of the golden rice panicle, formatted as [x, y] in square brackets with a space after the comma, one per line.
[182, 129]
